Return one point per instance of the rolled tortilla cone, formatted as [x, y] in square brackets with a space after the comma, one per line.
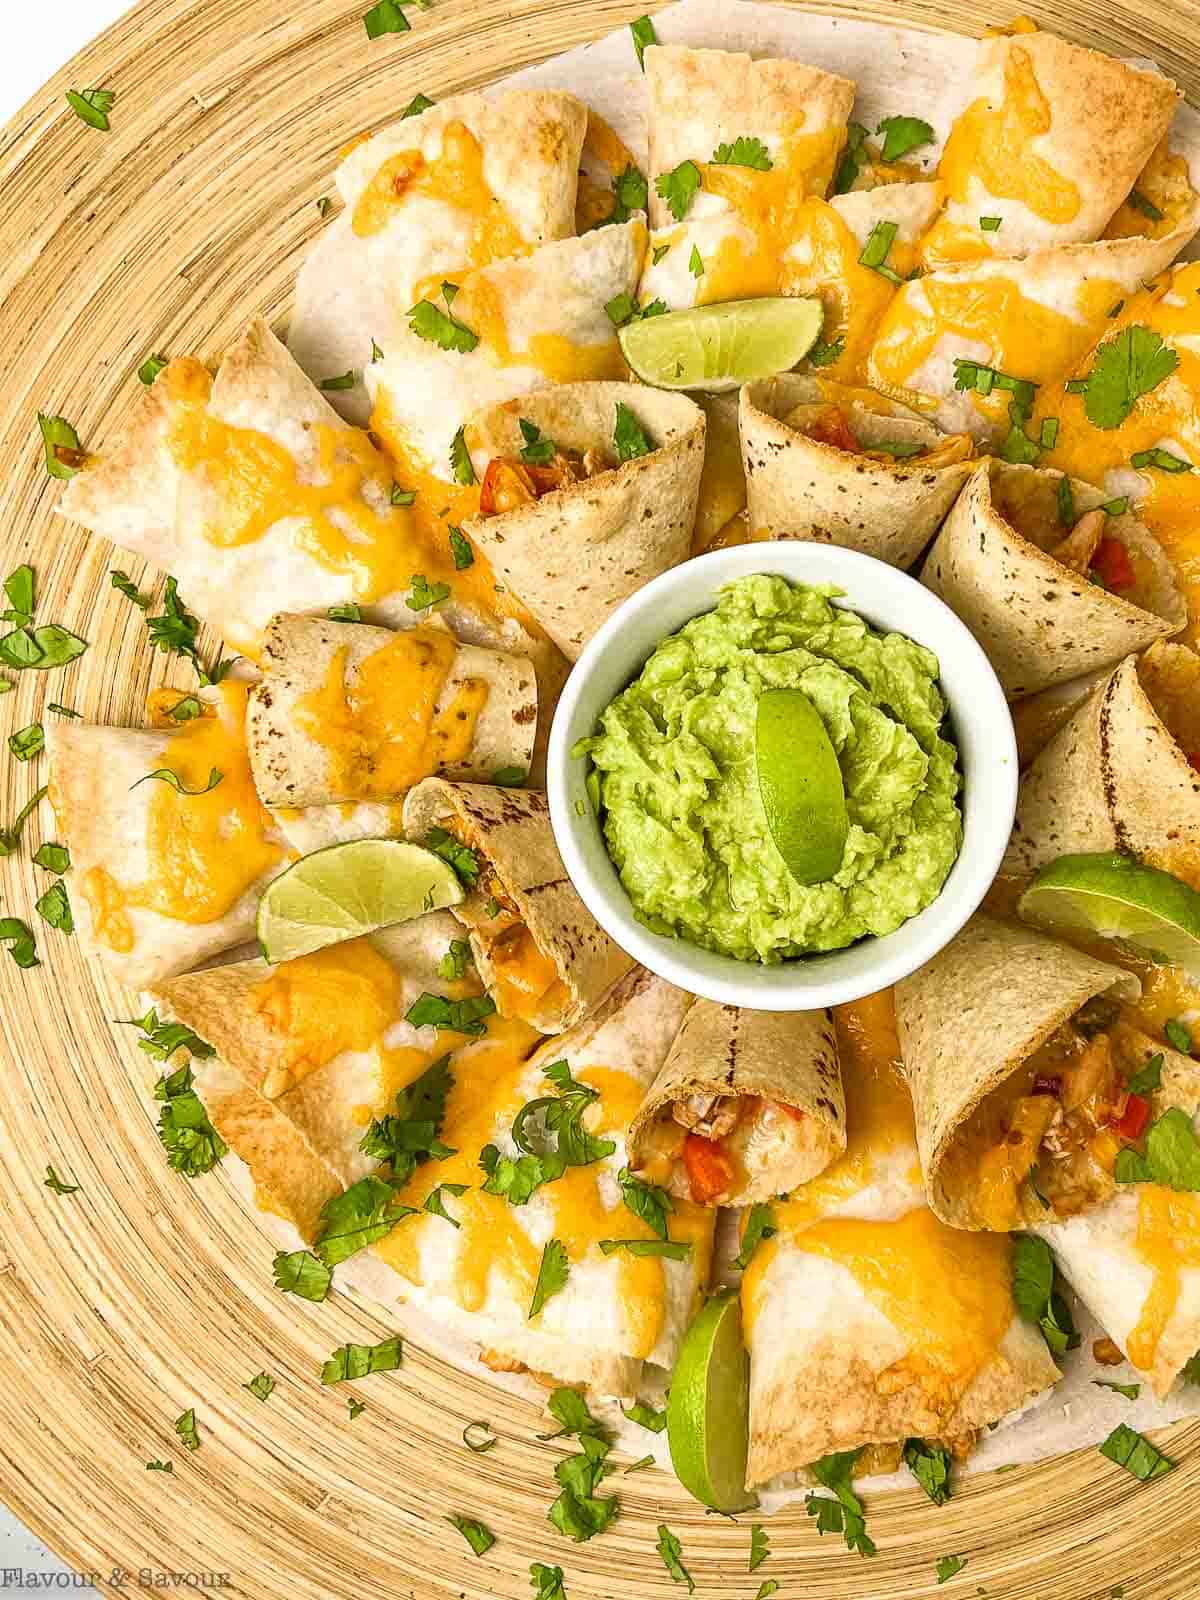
[762, 1090]
[541, 953]
[723, 478]
[1051, 145]
[867, 1320]
[574, 554]
[1029, 319]
[742, 220]
[163, 881]
[539, 319]
[804, 488]
[1041, 621]
[1135, 1261]
[255, 494]
[349, 712]
[468, 181]
[1119, 775]
[606, 158]
[969, 1021]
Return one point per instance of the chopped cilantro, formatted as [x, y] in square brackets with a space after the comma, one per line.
[479, 1438]
[429, 321]
[1148, 1076]
[1146, 206]
[351, 1361]
[455, 1016]
[948, 1566]
[845, 1514]
[425, 594]
[1136, 1454]
[324, 205]
[671, 1551]
[162, 1039]
[679, 188]
[645, 1416]
[436, 1205]
[460, 460]
[192, 1144]
[743, 152]
[345, 380]
[643, 33]
[930, 1466]
[1127, 366]
[825, 354]
[696, 263]
[456, 960]
[355, 1407]
[1172, 1156]
[54, 908]
[760, 1225]
[1036, 1294]
[27, 742]
[1163, 460]
[160, 1466]
[174, 781]
[465, 861]
[402, 497]
[854, 157]
[460, 548]
[92, 106]
[477, 1536]
[299, 1272]
[646, 1200]
[360, 1216]
[185, 1427]
[509, 777]
[874, 253]
[385, 17]
[552, 1275]
[516, 1180]
[632, 194]
[40, 649]
[547, 1582]
[1065, 496]
[63, 711]
[537, 450]
[414, 108]
[261, 1386]
[989, 224]
[123, 582]
[1179, 1036]
[760, 1547]
[623, 308]
[344, 613]
[18, 589]
[1129, 1391]
[629, 436]
[19, 939]
[64, 453]
[53, 1182]
[902, 135]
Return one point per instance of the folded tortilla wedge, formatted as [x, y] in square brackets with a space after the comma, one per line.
[748, 1105]
[347, 712]
[1019, 1051]
[570, 523]
[348, 1068]
[163, 877]
[868, 1321]
[530, 322]
[1051, 145]
[1026, 322]
[762, 136]
[467, 181]
[539, 950]
[846, 466]
[1019, 577]
[1122, 774]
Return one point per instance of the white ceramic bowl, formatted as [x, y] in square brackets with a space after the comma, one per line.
[982, 728]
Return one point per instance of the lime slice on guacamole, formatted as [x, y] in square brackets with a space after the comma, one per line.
[801, 785]
[722, 346]
[1152, 914]
[708, 1409]
[350, 889]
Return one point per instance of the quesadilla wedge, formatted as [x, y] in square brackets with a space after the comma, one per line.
[846, 466]
[1024, 1058]
[252, 490]
[1123, 774]
[588, 492]
[868, 1321]
[971, 341]
[538, 948]
[348, 712]
[1051, 145]
[468, 181]
[517, 325]
[170, 845]
[737, 146]
[748, 1105]
[1020, 576]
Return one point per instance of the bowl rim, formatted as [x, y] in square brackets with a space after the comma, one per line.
[981, 717]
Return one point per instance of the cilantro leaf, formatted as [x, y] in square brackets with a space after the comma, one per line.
[460, 459]
[385, 17]
[760, 1547]
[436, 1205]
[162, 1039]
[344, 380]
[1148, 1077]
[27, 742]
[261, 1386]
[769, 1587]
[516, 1180]
[344, 613]
[673, 1249]
[160, 1466]
[192, 1144]
[54, 908]
[646, 1200]
[414, 108]
[570, 1410]
[824, 355]
[1127, 366]
[361, 1360]
[552, 1275]
[466, 862]
[671, 1551]
[679, 188]
[629, 436]
[547, 1582]
[509, 777]
[430, 322]
[645, 1416]
[176, 632]
[185, 1427]
[1036, 1294]
[561, 1121]
[360, 1216]
[408, 1136]
[150, 369]
[1136, 1454]
[930, 1466]
[854, 158]
[484, 1439]
[1172, 1155]
[174, 781]
[455, 1016]
[743, 152]
[299, 1272]
[355, 1407]
[875, 252]
[845, 1514]
[53, 1182]
[760, 1225]
[456, 960]
[632, 193]
[18, 937]
[460, 548]
[696, 263]
[40, 649]
[18, 588]
[425, 594]
[10, 838]
[64, 453]
[480, 1539]
[1129, 1391]
[643, 33]
[623, 308]
[537, 451]
[901, 135]
[947, 1567]
[1179, 1036]
[92, 106]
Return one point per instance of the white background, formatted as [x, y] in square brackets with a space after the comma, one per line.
[36, 44]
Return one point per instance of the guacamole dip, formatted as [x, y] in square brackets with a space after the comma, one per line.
[682, 815]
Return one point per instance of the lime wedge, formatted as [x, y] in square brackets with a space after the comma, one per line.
[349, 889]
[708, 1409]
[1152, 914]
[722, 346]
[801, 785]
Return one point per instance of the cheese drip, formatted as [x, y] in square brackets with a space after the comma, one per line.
[1168, 1241]
[204, 851]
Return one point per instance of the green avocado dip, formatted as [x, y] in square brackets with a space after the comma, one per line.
[678, 779]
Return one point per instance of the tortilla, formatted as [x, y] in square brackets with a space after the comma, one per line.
[1119, 774]
[1052, 144]
[558, 961]
[574, 554]
[972, 1017]
[804, 488]
[1039, 621]
[868, 1321]
[162, 881]
[345, 714]
[742, 221]
[1029, 319]
[775, 1072]
[467, 181]
[539, 319]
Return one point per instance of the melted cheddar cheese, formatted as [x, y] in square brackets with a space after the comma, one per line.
[1168, 1240]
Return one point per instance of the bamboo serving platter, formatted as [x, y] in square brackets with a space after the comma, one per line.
[142, 1295]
